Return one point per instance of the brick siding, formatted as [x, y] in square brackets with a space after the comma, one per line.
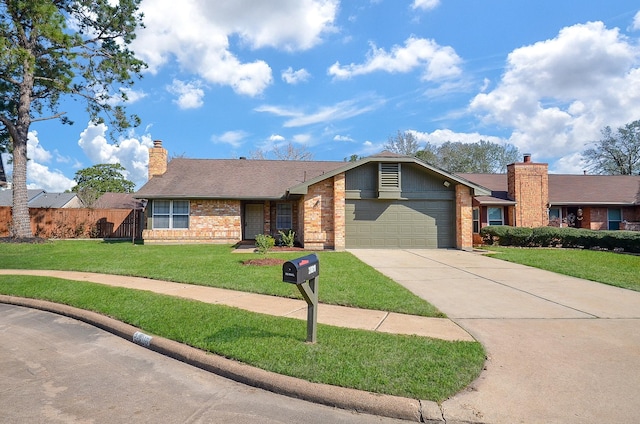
[528, 185]
[210, 221]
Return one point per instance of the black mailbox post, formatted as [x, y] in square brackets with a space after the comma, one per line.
[297, 271]
[303, 272]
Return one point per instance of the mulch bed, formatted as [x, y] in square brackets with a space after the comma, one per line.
[264, 262]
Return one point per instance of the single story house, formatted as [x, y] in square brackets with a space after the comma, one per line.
[528, 196]
[38, 198]
[385, 200]
[382, 201]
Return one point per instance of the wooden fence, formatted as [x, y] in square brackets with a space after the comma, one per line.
[79, 223]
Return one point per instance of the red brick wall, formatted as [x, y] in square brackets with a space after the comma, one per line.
[464, 217]
[323, 214]
[210, 221]
[528, 185]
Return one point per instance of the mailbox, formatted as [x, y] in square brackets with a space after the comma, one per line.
[299, 270]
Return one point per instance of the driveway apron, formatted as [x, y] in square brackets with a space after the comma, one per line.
[560, 349]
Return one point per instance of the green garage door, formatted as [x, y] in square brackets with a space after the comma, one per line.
[400, 224]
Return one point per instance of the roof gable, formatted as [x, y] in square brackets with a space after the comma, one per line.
[384, 157]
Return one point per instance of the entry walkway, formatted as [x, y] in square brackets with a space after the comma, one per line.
[561, 349]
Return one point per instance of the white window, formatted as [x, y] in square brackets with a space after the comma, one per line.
[555, 214]
[495, 216]
[284, 216]
[170, 214]
[614, 216]
[476, 220]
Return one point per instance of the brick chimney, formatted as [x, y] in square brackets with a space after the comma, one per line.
[528, 186]
[158, 157]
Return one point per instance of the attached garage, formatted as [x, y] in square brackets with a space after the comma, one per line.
[377, 223]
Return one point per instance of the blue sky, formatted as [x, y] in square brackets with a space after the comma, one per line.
[228, 78]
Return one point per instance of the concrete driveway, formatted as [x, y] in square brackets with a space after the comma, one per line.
[560, 349]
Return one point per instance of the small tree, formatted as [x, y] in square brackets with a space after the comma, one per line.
[617, 153]
[94, 181]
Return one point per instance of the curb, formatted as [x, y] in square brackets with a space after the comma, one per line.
[334, 396]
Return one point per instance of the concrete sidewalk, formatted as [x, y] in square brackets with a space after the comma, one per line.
[561, 349]
[340, 316]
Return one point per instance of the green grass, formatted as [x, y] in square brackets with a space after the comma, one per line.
[344, 280]
[409, 366]
[615, 269]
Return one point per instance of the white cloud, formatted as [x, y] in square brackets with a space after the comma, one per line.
[276, 138]
[295, 77]
[340, 111]
[189, 94]
[343, 138]
[302, 138]
[197, 35]
[232, 138]
[437, 62]
[439, 137]
[39, 176]
[425, 4]
[132, 152]
[636, 22]
[556, 95]
[35, 151]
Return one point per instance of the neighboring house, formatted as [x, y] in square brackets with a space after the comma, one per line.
[527, 196]
[118, 201]
[6, 196]
[38, 198]
[386, 200]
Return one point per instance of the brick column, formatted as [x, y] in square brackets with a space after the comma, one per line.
[339, 222]
[464, 218]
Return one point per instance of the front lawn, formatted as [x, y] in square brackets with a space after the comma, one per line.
[344, 280]
[409, 366]
[620, 270]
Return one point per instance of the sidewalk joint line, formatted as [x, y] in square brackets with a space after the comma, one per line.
[381, 321]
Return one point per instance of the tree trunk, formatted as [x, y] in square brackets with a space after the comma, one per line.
[21, 227]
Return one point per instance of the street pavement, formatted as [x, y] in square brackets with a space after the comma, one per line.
[55, 369]
[560, 349]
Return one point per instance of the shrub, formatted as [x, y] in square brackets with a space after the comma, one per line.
[545, 237]
[628, 241]
[264, 243]
[287, 238]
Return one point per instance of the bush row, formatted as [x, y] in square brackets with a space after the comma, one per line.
[504, 235]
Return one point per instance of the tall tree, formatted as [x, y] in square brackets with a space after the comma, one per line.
[482, 157]
[50, 49]
[404, 143]
[288, 152]
[96, 180]
[617, 153]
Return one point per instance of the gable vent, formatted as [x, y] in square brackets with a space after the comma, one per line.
[389, 181]
[389, 175]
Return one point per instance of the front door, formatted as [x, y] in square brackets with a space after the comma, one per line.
[253, 220]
